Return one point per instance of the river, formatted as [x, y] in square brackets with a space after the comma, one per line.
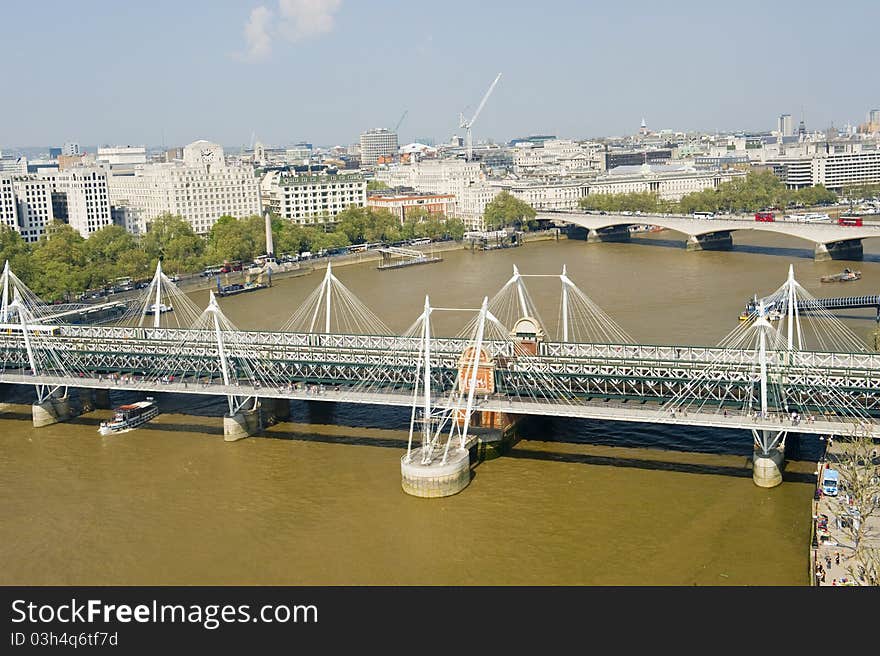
[317, 500]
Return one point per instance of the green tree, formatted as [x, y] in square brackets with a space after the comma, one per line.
[60, 258]
[108, 256]
[231, 239]
[506, 210]
[15, 250]
[376, 185]
[171, 238]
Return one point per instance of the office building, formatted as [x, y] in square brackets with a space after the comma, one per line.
[377, 143]
[201, 188]
[785, 125]
[71, 149]
[308, 198]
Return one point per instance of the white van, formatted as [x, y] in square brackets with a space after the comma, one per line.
[830, 479]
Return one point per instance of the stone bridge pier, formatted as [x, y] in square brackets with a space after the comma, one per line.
[612, 234]
[850, 249]
[52, 410]
[711, 241]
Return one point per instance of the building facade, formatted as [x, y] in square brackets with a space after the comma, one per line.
[8, 203]
[201, 189]
[785, 125]
[307, 199]
[403, 205]
[376, 143]
[35, 207]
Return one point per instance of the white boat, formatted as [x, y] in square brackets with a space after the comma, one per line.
[151, 309]
[130, 416]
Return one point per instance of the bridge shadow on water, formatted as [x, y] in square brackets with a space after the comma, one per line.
[753, 249]
[744, 471]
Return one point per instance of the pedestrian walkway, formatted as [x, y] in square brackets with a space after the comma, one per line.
[832, 550]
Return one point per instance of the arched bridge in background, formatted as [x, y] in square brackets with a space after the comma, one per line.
[830, 241]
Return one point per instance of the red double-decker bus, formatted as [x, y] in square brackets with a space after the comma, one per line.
[764, 216]
[850, 221]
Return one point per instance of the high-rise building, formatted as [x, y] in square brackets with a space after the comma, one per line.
[71, 149]
[8, 205]
[87, 195]
[376, 143]
[874, 116]
[785, 125]
[122, 156]
[35, 210]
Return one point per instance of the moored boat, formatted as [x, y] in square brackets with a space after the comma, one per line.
[846, 276]
[130, 416]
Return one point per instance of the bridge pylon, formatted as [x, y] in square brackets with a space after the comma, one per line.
[244, 417]
[53, 404]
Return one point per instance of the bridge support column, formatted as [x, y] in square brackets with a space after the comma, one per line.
[713, 241]
[435, 479]
[275, 410]
[614, 234]
[496, 432]
[768, 458]
[102, 399]
[839, 250]
[242, 424]
[51, 411]
[86, 400]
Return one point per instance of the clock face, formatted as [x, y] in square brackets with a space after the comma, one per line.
[207, 155]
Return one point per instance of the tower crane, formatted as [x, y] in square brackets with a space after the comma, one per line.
[402, 116]
[468, 139]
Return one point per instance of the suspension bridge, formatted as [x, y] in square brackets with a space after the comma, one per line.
[830, 241]
[810, 374]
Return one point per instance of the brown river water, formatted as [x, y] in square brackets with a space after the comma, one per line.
[317, 500]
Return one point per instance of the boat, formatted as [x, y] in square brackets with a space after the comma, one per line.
[846, 276]
[239, 288]
[129, 417]
[151, 309]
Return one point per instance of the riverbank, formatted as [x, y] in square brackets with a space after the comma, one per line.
[832, 548]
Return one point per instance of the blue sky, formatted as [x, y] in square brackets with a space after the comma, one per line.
[101, 71]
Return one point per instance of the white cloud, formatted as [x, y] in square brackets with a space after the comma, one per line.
[297, 20]
[256, 33]
[302, 19]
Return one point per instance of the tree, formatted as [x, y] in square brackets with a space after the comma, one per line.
[108, 254]
[376, 185]
[231, 239]
[171, 238]
[15, 250]
[60, 262]
[506, 210]
[858, 463]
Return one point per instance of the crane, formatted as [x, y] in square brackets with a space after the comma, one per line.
[402, 116]
[468, 139]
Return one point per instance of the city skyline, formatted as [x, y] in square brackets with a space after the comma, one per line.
[281, 71]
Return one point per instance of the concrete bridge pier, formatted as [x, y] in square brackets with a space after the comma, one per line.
[275, 410]
[712, 241]
[53, 410]
[613, 234]
[767, 466]
[243, 423]
[435, 479]
[851, 249]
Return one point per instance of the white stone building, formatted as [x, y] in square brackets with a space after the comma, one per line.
[670, 182]
[87, 197]
[8, 203]
[121, 157]
[307, 199]
[35, 211]
[201, 189]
